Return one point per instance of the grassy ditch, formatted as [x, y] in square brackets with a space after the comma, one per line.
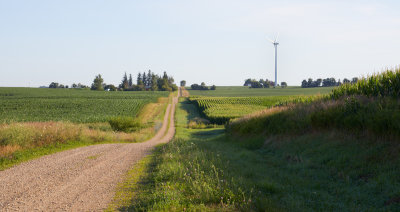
[204, 169]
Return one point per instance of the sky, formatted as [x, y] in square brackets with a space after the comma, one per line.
[221, 42]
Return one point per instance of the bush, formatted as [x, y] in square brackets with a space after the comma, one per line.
[124, 124]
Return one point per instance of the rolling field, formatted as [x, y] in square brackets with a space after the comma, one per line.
[78, 106]
[220, 110]
[243, 91]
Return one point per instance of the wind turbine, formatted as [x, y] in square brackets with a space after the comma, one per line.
[275, 42]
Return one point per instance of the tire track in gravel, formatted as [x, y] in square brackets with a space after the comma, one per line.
[82, 179]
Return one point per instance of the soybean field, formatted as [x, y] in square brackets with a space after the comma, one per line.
[74, 105]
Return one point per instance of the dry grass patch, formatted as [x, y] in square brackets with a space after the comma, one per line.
[6, 151]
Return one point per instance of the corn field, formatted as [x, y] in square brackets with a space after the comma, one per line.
[385, 84]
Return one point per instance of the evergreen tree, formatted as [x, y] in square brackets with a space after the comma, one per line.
[154, 86]
[124, 83]
[130, 83]
[144, 79]
[140, 85]
[139, 79]
[165, 76]
[149, 79]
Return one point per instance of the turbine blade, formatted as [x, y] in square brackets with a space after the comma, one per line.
[270, 40]
[276, 38]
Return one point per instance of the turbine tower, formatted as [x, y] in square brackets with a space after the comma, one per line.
[275, 42]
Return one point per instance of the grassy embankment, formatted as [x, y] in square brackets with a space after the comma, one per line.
[310, 169]
[21, 141]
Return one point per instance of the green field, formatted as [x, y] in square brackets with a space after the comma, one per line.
[78, 106]
[210, 170]
[237, 91]
[220, 110]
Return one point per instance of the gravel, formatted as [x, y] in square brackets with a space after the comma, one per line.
[82, 179]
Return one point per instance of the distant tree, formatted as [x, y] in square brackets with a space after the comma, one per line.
[354, 80]
[124, 83]
[271, 83]
[144, 79]
[130, 82]
[149, 79]
[74, 85]
[110, 87]
[139, 79]
[82, 86]
[183, 83]
[98, 83]
[262, 82]
[283, 84]
[329, 82]
[304, 84]
[165, 76]
[140, 84]
[199, 87]
[213, 87]
[54, 85]
[154, 86]
[256, 84]
[247, 82]
[318, 82]
[338, 83]
[345, 80]
[310, 83]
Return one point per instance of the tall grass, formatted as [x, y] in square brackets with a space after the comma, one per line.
[357, 114]
[371, 106]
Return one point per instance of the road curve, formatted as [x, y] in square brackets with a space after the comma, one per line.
[82, 179]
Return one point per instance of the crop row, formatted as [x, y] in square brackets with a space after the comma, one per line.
[220, 110]
[386, 84]
[75, 106]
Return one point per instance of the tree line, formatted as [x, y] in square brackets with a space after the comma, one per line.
[253, 83]
[144, 82]
[148, 82]
[202, 86]
[328, 82]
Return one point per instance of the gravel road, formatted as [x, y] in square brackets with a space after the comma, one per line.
[82, 179]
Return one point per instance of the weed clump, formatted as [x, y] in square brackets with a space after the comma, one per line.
[124, 124]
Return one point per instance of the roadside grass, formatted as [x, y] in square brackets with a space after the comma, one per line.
[20, 156]
[20, 142]
[206, 170]
[190, 173]
[127, 189]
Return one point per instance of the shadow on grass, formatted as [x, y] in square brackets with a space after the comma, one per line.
[192, 111]
[208, 133]
[143, 197]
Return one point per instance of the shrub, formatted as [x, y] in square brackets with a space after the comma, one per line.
[124, 124]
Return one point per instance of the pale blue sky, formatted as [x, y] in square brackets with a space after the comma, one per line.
[219, 42]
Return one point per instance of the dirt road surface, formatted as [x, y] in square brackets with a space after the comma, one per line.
[82, 179]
